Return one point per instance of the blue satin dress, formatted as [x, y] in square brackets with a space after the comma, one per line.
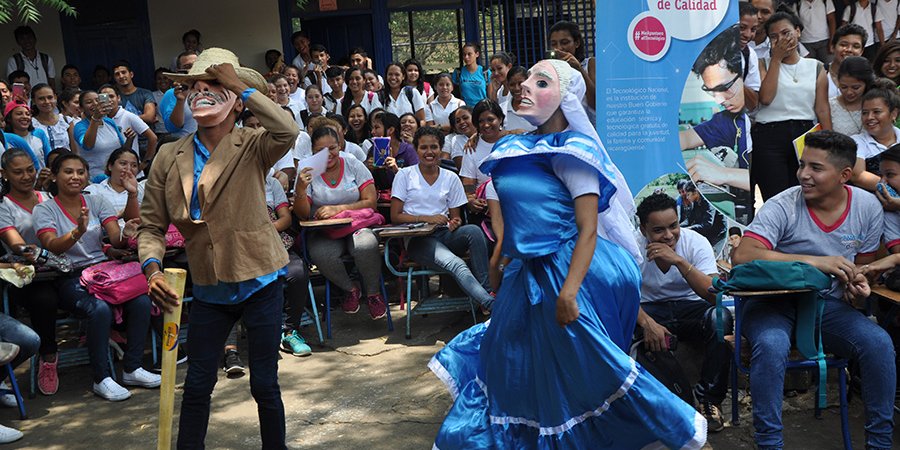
[521, 381]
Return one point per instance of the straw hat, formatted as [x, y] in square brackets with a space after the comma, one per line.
[216, 55]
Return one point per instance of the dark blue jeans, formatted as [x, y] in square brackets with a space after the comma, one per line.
[769, 325]
[73, 297]
[695, 320]
[209, 326]
[15, 332]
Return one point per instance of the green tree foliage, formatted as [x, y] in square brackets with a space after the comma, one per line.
[436, 38]
[27, 10]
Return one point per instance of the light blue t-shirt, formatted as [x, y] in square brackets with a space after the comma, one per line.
[472, 86]
[166, 106]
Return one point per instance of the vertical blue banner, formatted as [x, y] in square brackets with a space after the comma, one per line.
[670, 103]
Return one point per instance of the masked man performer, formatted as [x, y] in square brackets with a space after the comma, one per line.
[211, 186]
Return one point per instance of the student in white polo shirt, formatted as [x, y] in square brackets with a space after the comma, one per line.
[817, 17]
[866, 14]
[437, 113]
[880, 108]
[400, 99]
[39, 66]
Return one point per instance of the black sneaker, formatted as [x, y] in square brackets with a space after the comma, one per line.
[233, 365]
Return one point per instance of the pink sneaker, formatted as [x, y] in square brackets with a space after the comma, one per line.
[377, 308]
[350, 304]
[48, 380]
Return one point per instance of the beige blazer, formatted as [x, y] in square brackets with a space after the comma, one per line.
[234, 240]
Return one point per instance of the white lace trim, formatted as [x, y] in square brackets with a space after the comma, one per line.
[442, 374]
[699, 439]
[569, 424]
[696, 442]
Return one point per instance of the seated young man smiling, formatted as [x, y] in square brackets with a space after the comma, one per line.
[675, 298]
[834, 227]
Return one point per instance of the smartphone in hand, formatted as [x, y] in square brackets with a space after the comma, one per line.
[18, 92]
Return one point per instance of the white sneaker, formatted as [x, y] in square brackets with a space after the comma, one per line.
[7, 400]
[110, 390]
[142, 378]
[8, 435]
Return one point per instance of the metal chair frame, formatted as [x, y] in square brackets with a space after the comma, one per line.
[837, 363]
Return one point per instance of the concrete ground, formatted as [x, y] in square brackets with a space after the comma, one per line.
[366, 388]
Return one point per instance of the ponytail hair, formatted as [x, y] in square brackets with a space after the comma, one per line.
[884, 89]
[452, 117]
[507, 59]
[37, 87]
[859, 68]
[5, 161]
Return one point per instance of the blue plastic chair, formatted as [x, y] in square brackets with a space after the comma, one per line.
[425, 304]
[14, 389]
[65, 358]
[312, 297]
[793, 364]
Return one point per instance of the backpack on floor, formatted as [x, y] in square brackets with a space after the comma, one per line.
[665, 368]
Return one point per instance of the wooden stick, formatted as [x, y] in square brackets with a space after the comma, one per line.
[175, 278]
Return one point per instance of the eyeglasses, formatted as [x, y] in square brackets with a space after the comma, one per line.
[725, 87]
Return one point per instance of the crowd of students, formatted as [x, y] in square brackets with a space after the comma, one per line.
[75, 159]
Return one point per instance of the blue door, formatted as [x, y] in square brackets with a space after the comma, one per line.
[106, 31]
[340, 34]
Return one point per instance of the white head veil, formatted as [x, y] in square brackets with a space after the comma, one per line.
[615, 223]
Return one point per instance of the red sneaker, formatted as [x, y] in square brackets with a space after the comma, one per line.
[377, 306]
[350, 304]
[48, 379]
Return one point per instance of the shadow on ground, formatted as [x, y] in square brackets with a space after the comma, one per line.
[365, 388]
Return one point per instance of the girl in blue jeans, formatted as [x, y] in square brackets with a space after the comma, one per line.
[15, 332]
[73, 224]
[428, 193]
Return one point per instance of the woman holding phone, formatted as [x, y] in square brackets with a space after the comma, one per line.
[97, 135]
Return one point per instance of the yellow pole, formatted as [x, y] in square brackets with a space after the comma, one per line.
[171, 324]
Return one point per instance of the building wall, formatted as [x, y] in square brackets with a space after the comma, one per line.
[246, 28]
[49, 39]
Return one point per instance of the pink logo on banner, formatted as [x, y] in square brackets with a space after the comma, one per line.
[649, 36]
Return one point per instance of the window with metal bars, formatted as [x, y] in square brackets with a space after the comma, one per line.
[433, 37]
[521, 27]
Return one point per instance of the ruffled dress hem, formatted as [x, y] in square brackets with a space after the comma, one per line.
[696, 442]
